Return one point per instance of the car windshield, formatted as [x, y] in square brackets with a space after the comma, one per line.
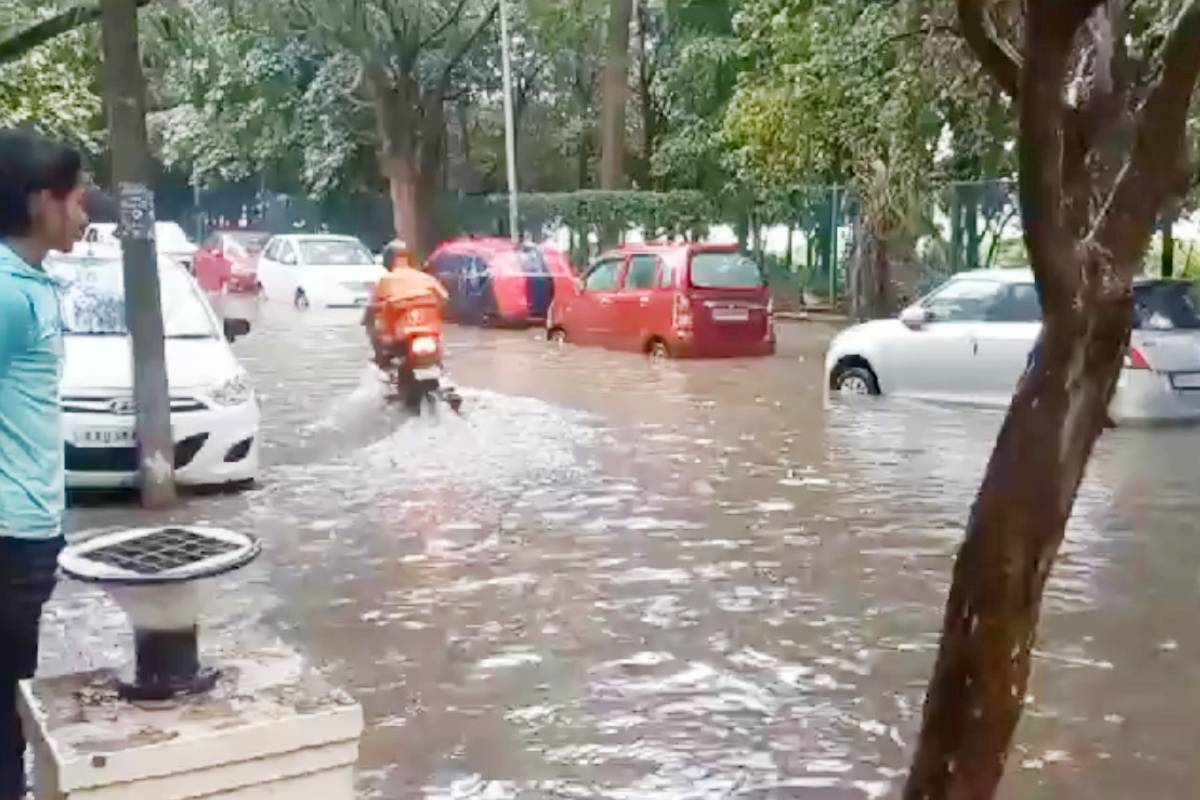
[334, 253]
[964, 300]
[93, 300]
[1167, 306]
[725, 271]
[247, 242]
[170, 236]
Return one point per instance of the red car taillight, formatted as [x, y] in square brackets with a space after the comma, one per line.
[1135, 360]
[681, 313]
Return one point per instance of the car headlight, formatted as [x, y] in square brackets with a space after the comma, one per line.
[232, 392]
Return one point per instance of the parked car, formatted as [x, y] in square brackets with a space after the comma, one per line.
[169, 238]
[228, 260]
[672, 300]
[214, 413]
[970, 340]
[318, 269]
[496, 281]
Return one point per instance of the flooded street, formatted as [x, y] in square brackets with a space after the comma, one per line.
[617, 579]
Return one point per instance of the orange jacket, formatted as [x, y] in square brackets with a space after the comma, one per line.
[407, 298]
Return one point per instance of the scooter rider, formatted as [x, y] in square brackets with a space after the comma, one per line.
[403, 287]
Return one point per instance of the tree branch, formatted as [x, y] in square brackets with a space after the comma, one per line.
[466, 46]
[1159, 166]
[39, 33]
[1050, 29]
[450, 20]
[998, 57]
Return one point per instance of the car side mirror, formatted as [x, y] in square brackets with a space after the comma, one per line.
[236, 328]
[915, 317]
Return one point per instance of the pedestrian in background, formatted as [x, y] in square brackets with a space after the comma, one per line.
[41, 209]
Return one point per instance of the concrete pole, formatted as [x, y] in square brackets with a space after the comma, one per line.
[510, 132]
[125, 103]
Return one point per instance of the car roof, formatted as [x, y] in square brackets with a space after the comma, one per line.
[1000, 275]
[695, 247]
[317, 237]
[109, 257]
[1025, 275]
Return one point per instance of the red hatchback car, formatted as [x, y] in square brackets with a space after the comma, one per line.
[229, 260]
[670, 300]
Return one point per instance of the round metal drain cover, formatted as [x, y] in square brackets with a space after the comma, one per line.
[159, 577]
[147, 556]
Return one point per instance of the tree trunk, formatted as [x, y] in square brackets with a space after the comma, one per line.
[649, 110]
[1123, 144]
[1168, 245]
[412, 205]
[412, 132]
[125, 101]
[1013, 534]
[616, 89]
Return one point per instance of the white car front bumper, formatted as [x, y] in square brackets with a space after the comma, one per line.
[214, 445]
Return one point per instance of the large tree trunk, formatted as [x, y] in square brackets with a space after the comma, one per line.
[1013, 534]
[412, 212]
[616, 89]
[1093, 178]
[412, 132]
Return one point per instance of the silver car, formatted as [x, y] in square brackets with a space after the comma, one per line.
[969, 341]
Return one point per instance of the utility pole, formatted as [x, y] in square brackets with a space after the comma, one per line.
[510, 133]
[125, 104]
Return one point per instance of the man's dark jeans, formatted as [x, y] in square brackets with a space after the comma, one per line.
[27, 571]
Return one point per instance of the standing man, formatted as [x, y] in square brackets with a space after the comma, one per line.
[41, 209]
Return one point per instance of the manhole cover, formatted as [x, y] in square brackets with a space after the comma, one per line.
[158, 555]
[157, 575]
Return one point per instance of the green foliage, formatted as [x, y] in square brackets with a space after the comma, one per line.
[246, 103]
[53, 88]
[701, 62]
[834, 97]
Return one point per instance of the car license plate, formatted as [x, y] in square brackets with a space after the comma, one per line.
[730, 315]
[105, 437]
[427, 373]
[1186, 380]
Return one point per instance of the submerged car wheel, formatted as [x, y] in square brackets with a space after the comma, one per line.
[658, 350]
[300, 300]
[856, 380]
[557, 336]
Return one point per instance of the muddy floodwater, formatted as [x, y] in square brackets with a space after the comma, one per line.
[614, 579]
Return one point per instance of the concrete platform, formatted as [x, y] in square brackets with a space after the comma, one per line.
[271, 729]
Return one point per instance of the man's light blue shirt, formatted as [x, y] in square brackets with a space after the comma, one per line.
[32, 495]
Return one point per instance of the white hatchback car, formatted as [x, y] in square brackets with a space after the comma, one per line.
[970, 339]
[214, 413]
[318, 270]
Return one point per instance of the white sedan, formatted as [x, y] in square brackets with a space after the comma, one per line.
[970, 340]
[214, 413]
[318, 270]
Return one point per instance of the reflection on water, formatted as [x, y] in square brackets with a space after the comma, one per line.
[617, 579]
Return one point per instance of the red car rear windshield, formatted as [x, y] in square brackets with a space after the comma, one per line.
[725, 271]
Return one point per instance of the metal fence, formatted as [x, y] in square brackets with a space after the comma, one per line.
[805, 237]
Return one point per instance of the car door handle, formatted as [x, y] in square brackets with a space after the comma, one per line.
[645, 301]
[606, 301]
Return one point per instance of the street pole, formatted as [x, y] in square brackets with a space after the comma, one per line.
[510, 133]
[125, 103]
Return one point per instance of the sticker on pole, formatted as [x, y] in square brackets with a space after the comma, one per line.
[136, 202]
